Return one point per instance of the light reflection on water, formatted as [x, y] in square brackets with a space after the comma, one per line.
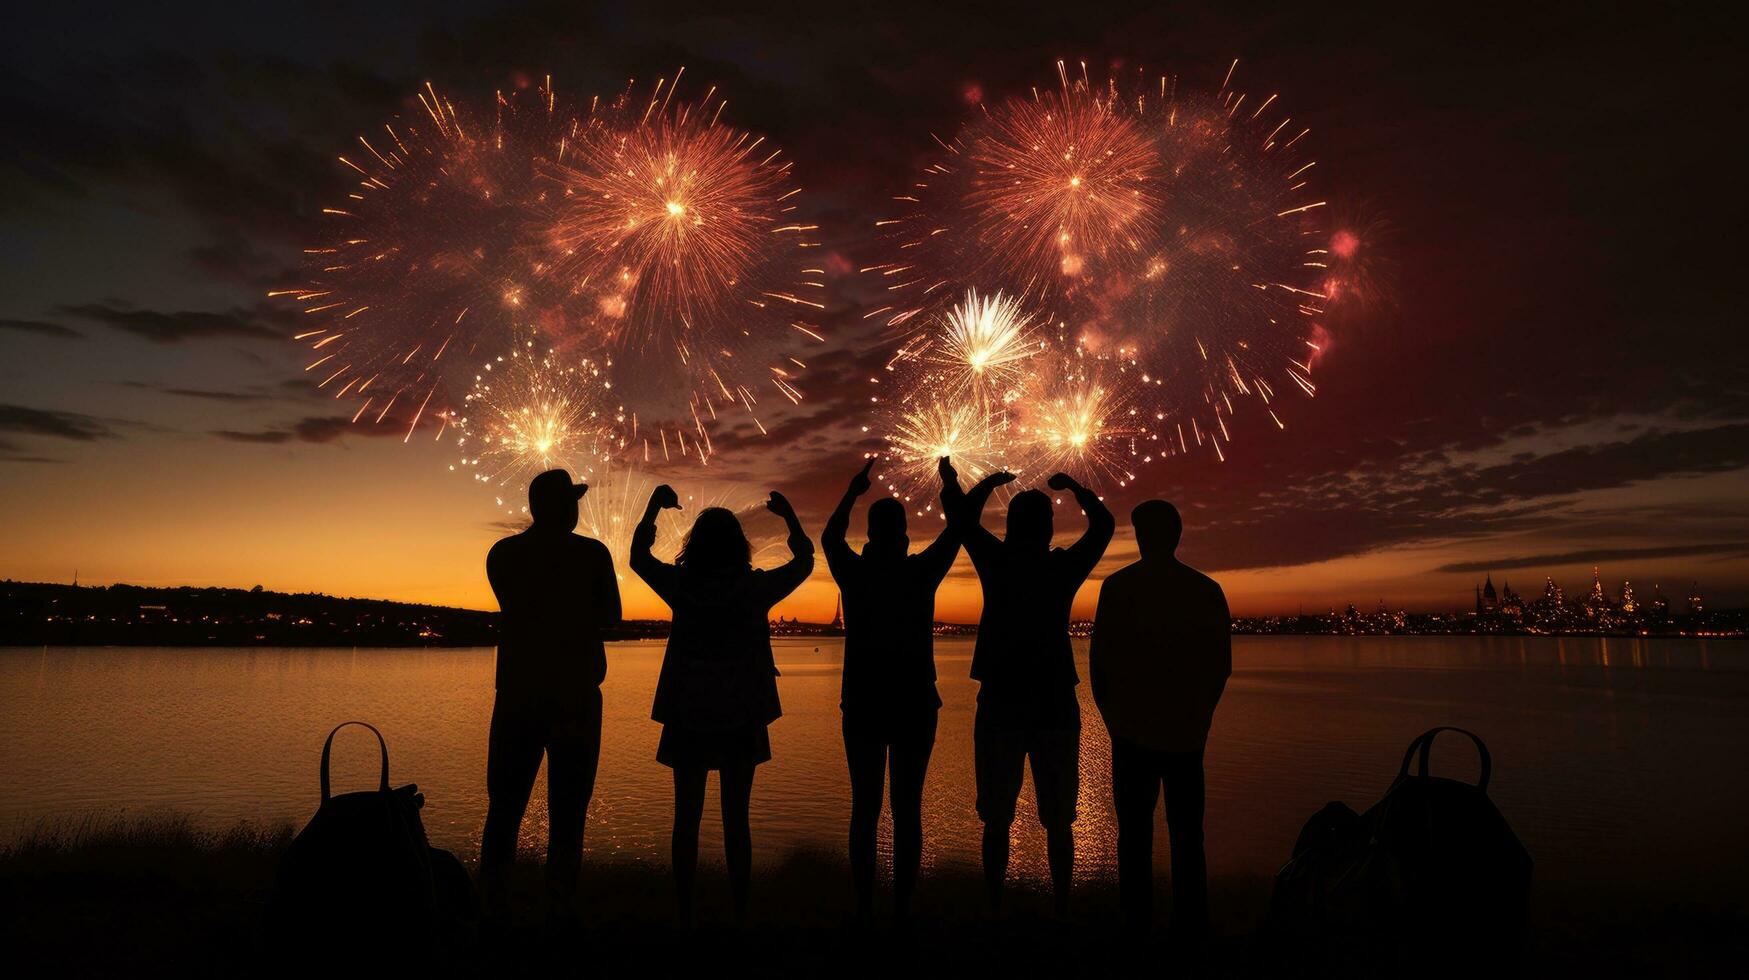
[1612, 756]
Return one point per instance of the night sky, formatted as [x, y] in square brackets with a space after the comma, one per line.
[1552, 374]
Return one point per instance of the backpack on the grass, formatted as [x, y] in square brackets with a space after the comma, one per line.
[361, 874]
[1432, 873]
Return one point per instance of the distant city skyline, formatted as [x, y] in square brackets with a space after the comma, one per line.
[35, 614]
[1487, 599]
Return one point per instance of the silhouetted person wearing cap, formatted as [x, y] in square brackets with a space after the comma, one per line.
[557, 592]
[888, 697]
[1027, 708]
[717, 690]
[1162, 650]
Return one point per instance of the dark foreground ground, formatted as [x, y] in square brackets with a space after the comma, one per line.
[155, 897]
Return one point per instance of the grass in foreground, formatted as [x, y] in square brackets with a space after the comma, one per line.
[146, 895]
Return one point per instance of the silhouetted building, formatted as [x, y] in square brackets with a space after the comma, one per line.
[1596, 603]
[1487, 600]
[1660, 605]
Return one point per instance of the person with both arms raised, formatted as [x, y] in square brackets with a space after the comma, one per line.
[717, 690]
[1027, 709]
[888, 696]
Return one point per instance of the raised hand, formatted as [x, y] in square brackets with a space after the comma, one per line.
[860, 483]
[997, 479]
[948, 473]
[780, 505]
[664, 498]
[1061, 481]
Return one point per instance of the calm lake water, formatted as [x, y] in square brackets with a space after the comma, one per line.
[1616, 760]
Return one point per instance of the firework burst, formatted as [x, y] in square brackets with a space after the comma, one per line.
[930, 428]
[680, 236]
[641, 231]
[430, 257]
[985, 344]
[1077, 422]
[1166, 236]
[1060, 185]
[533, 410]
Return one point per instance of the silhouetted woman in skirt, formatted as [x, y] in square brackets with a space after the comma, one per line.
[717, 691]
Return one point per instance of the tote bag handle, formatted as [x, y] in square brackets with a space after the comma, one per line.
[1424, 742]
[384, 746]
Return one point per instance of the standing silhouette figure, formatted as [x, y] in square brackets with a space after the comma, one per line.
[1162, 650]
[557, 592]
[888, 697]
[717, 690]
[1025, 668]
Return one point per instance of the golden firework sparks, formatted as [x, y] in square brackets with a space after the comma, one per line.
[1078, 424]
[1061, 182]
[425, 260]
[1167, 236]
[683, 235]
[987, 342]
[533, 410]
[957, 426]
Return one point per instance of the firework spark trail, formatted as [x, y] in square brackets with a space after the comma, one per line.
[1059, 183]
[1062, 408]
[428, 258]
[645, 232]
[1166, 241]
[533, 410]
[1075, 420]
[955, 425]
[984, 344]
[680, 234]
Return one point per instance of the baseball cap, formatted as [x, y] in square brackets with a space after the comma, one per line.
[556, 486]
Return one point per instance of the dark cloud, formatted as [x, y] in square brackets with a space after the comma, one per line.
[233, 256]
[271, 437]
[202, 394]
[1594, 556]
[49, 423]
[317, 429]
[11, 452]
[41, 328]
[162, 327]
[1425, 497]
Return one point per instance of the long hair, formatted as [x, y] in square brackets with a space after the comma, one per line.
[715, 543]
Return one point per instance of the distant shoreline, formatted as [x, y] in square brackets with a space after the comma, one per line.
[36, 614]
[968, 632]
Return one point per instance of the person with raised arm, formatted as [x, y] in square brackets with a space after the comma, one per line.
[888, 695]
[717, 689]
[1025, 667]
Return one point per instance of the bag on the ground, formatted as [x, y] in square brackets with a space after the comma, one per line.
[1432, 867]
[361, 874]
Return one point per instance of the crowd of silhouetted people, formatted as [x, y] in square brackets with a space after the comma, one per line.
[1159, 661]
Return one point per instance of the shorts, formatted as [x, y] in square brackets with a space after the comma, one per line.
[999, 757]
